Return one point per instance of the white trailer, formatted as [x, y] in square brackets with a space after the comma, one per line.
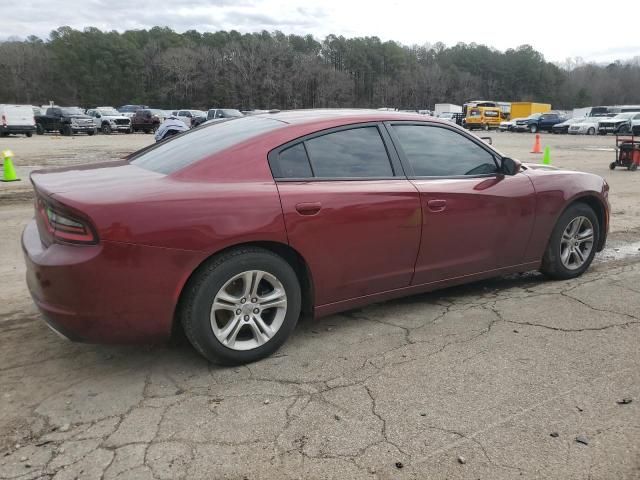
[441, 108]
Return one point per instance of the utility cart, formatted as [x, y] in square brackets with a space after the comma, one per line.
[627, 152]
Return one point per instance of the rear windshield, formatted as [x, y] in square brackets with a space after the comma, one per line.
[172, 155]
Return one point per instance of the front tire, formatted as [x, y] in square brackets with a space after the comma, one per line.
[573, 243]
[533, 128]
[39, 129]
[66, 131]
[241, 306]
[106, 129]
[591, 131]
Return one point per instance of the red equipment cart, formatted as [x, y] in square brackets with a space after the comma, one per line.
[627, 153]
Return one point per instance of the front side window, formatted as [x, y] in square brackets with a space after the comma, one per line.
[353, 153]
[440, 152]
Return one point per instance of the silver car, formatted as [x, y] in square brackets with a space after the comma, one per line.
[588, 126]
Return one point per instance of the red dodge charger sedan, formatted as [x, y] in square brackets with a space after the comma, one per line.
[233, 230]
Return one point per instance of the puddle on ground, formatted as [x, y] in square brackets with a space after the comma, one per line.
[619, 252]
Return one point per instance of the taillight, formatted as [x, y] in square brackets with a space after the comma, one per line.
[64, 226]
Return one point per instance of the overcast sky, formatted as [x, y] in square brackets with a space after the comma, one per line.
[559, 29]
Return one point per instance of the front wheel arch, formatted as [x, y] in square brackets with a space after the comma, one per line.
[598, 207]
[288, 253]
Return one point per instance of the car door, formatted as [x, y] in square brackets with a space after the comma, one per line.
[349, 210]
[475, 219]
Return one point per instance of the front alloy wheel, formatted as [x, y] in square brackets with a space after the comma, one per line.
[573, 243]
[576, 243]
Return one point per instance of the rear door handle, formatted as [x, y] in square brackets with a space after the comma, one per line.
[437, 205]
[310, 208]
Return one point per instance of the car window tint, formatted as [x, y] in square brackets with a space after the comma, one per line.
[172, 155]
[293, 163]
[358, 152]
[439, 152]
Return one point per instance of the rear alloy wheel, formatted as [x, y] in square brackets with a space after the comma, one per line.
[573, 243]
[242, 306]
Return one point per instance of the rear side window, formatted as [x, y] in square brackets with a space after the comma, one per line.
[172, 155]
[440, 152]
[358, 152]
[293, 163]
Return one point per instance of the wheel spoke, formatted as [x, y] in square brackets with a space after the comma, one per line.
[226, 297]
[266, 329]
[565, 254]
[259, 336]
[223, 305]
[230, 332]
[247, 278]
[585, 236]
[257, 278]
[275, 299]
[579, 255]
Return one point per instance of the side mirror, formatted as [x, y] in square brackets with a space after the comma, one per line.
[510, 166]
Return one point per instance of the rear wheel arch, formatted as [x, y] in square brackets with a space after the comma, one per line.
[286, 252]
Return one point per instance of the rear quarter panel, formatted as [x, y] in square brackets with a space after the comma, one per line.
[555, 191]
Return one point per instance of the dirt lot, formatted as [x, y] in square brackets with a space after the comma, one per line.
[494, 380]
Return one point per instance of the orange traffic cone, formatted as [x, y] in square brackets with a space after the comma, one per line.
[536, 145]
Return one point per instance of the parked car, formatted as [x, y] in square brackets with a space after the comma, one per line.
[538, 122]
[66, 120]
[234, 229]
[507, 125]
[145, 121]
[635, 127]
[129, 110]
[109, 120]
[448, 116]
[620, 124]
[223, 113]
[588, 126]
[17, 119]
[563, 127]
[192, 118]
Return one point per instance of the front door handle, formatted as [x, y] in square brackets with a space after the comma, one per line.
[310, 208]
[437, 205]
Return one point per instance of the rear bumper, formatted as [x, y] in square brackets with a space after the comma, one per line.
[106, 293]
[17, 128]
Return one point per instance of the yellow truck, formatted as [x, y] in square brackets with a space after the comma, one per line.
[524, 109]
[483, 118]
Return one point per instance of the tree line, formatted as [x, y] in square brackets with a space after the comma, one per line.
[166, 69]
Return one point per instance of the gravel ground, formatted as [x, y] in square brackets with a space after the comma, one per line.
[516, 377]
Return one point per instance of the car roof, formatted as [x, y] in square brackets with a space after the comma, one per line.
[346, 116]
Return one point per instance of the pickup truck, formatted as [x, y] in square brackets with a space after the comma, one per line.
[66, 120]
[145, 120]
[110, 120]
[538, 122]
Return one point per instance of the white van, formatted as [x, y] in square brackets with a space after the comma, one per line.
[17, 119]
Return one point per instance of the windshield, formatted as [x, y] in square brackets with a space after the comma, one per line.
[72, 111]
[624, 116]
[155, 111]
[175, 154]
[108, 112]
[576, 120]
[534, 116]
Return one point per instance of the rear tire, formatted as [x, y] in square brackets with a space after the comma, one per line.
[212, 280]
[29, 134]
[553, 264]
[39, 129]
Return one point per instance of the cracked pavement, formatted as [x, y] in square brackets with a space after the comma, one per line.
[405, 389]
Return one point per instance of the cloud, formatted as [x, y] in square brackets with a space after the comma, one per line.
[406, 21]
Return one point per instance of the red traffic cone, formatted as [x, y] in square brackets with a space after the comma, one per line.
[536, 145]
